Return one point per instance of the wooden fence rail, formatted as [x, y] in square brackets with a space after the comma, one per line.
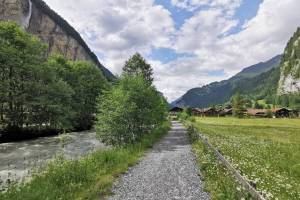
[252, 191]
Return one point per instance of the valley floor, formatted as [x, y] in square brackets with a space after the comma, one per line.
[265, 151]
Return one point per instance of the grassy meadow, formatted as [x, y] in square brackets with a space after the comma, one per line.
[265, 151]
[90, 177]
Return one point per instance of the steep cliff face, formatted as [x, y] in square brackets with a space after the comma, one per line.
[290, 67]
[37, 18]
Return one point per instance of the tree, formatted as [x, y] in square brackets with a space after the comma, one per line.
[88, 83]
[51, 100]
[137, 65]
[39, 93]
[130, 109]
[21, 55]
[238, 105]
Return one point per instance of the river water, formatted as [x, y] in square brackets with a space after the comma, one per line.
[18, 159]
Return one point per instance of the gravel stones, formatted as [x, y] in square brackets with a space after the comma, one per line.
[168, 171]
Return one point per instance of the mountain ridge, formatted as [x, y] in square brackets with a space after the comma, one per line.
[221, 92]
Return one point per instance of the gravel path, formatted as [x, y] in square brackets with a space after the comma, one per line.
[167, 172]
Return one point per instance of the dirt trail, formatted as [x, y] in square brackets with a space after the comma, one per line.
[167, 172]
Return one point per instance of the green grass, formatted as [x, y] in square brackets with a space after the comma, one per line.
[265, 151]
[88, 178]
[217, 180]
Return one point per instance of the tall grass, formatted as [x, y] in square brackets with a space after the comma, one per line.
[265, 151]
[90, 177]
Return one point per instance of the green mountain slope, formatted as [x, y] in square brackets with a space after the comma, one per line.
[290, 67]
[258, 80]
[259, 68]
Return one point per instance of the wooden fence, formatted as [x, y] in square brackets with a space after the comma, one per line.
[249, 188]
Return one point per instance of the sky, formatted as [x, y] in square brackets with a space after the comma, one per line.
[189, 43]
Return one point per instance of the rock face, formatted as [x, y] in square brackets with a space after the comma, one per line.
[290, 67]
[37, 18]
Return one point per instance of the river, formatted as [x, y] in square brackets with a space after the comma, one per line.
[17, 159]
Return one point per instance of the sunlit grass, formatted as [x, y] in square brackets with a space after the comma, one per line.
[266, 151]
[90, 177]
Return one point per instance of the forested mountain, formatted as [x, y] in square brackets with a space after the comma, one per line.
[259, 68]
[290, 67]
[258, 80]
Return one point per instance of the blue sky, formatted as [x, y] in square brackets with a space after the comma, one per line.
[189, 43]
[247, 10]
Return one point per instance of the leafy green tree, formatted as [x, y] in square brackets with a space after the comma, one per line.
[238, 105]
[88, 83]
[21, 56]
[137, 65]
[40, 93]
[51, 100]
[130, 109]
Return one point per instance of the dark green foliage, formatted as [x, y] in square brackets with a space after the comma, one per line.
[238, 105]
[41, 5]
[87, 83]
[137, 65]
[21, 56]
[40, 94]
[130, 109]
[290, 100]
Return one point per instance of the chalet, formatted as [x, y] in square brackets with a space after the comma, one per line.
[208, 112]
[196, 111]
[281, 112]
[226, 112]
[175, 110]
[257, 112]
[277, 112]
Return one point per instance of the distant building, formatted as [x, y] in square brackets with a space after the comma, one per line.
[277, 112]
[226, 112]
[196, 111]
[175, 110]
[207, 112]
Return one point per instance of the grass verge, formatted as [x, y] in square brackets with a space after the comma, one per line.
[90, 177]
[265, 151]
[218, 181]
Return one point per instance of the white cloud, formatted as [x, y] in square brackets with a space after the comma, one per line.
[205, 34]
[191, 5]
[117, 29]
